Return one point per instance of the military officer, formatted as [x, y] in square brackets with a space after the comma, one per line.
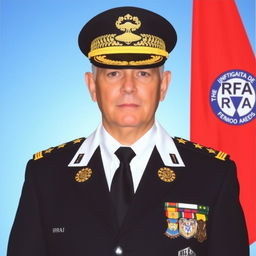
[129, 188]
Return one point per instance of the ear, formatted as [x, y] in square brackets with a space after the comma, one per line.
[166, 78]
[89, 79]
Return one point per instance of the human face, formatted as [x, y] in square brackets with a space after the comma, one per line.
[128, 97]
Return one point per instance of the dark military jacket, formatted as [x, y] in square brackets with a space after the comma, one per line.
[193, 210]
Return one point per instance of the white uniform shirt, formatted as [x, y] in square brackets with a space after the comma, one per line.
[143, 148]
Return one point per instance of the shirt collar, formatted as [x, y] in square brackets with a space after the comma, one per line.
[156, 136]
[167, 148]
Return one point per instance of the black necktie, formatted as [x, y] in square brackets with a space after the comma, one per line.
[122, 185]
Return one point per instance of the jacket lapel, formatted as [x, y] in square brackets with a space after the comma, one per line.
[94, 193]
[150, 192]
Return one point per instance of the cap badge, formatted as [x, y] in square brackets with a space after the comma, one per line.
[166, 174]
[128, 23]
[83, 175]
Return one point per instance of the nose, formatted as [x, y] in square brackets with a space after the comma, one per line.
[128, 82]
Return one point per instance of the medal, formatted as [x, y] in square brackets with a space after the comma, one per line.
[186, 220]
[201, 231]
[172, 230]
[187, 227]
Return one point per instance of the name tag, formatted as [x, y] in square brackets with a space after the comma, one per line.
[58, 230]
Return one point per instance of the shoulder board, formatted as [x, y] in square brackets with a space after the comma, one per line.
[210, 151]
[49, 151]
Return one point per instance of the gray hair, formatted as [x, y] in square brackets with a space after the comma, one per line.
[94, 71]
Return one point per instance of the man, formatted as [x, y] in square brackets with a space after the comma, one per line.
[129, 188]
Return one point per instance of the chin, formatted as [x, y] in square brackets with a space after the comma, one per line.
[129, 121]
[128, 124]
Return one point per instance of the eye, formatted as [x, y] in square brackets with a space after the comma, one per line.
[112, 74]
[144, 74]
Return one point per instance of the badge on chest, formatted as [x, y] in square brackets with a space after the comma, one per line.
[186, 220]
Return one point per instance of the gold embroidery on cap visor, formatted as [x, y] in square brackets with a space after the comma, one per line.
[104, 60]
[128, 43]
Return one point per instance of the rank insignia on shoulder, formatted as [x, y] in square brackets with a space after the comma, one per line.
[186, 220]
[38, 155]
[210, 151]
[180, 140]
[78, 140]
[50, 150]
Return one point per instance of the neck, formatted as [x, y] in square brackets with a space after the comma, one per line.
[127, 135]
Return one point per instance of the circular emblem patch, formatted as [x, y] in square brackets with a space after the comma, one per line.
[233, 97]
[83, 175]
[166, 174]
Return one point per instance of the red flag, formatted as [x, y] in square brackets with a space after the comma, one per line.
[223, 108]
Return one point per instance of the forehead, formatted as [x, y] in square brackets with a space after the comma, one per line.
[125, 70]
